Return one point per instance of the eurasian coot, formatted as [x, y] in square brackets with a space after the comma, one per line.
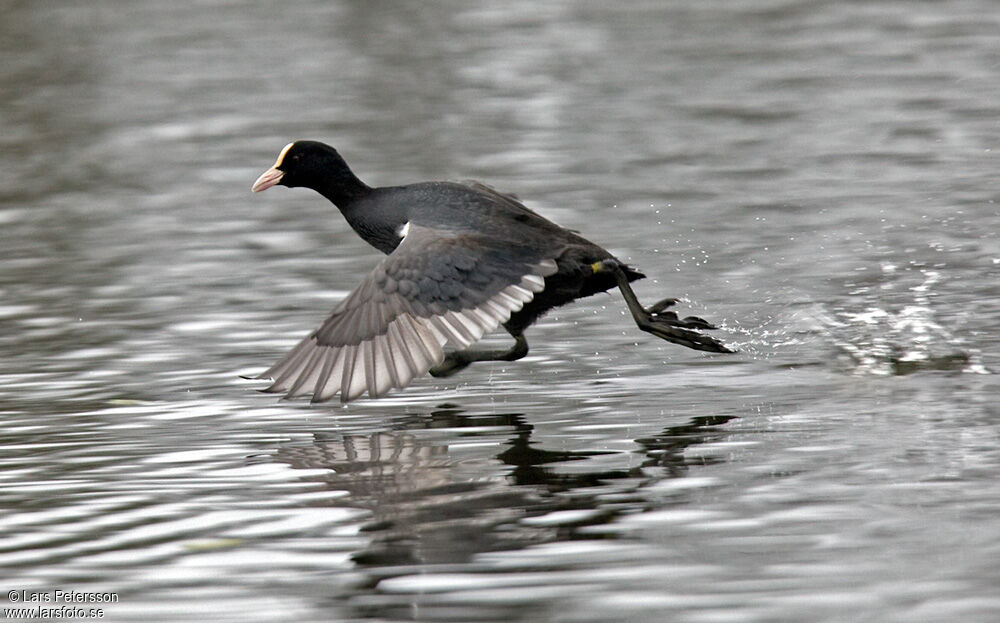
[462, 259]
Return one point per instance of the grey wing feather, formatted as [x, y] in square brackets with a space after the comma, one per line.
[437, 287]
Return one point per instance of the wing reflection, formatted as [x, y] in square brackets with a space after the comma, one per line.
[439, 491]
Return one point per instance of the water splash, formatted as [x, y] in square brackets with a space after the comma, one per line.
[895, 339]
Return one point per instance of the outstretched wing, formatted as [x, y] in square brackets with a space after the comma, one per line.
[437, 286]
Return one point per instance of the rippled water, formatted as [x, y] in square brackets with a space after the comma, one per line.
[818, 177]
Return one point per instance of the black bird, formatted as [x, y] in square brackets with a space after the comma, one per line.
[462, 259]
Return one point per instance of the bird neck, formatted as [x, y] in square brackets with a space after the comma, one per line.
[343, 189]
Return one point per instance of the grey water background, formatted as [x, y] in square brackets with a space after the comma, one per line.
[821, 178]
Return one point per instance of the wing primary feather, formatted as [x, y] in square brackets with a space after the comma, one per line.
[468, 324]
[408, 340]
[414, 344]
[336, 375]
[449, 331]
[546, 268]
[424, 347]
[324, 364]
[350, 355]
[358, 380]
[384, 375]
[533, 283]
[397, 342]
[458, 325]
[519, 293]
[291, 363]
[287, 360]
[389, 358]
[477, 325]
[329, 360]
[508, 300]
[496, 311]
[401, 358]
[307, 376]
[431, 345]
[438, 330]
[371, 367]
[486, 320]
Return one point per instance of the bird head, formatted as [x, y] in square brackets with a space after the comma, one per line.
[303, 163]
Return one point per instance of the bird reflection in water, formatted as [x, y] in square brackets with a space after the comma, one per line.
[436, 498]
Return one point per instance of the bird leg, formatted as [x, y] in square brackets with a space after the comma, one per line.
[454, 362]
[663, 324]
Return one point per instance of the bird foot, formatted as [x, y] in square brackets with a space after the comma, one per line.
[659, 306]
[452, 364]
[678, 330]
[656, 311]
